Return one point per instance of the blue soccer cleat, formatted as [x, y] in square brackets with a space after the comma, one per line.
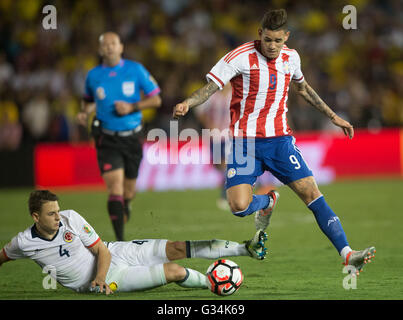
[256, 246]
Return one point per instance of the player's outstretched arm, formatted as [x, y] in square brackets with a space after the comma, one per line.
[196, 98]
[103, 262]
[305, 91]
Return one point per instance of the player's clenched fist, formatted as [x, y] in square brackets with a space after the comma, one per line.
[180, 109]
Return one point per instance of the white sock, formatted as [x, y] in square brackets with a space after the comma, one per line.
[345, 251]
[214, 249]
[193, 279]
[138, 278]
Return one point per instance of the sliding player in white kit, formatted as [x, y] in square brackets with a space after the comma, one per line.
[66, 242]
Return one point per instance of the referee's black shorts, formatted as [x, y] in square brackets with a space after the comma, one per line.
[116, 152]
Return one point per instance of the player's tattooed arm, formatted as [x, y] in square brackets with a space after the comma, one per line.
[310, 96]
[201, 95]
[305, 91]
[196, 98]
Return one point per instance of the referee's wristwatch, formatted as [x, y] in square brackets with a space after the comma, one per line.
[135, 107]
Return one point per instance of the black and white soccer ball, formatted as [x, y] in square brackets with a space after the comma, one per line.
[224, 277]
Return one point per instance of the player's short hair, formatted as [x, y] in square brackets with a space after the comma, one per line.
[38, 197]
[275, 20]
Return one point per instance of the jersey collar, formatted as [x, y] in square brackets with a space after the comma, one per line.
[35, 234]
[118, 66]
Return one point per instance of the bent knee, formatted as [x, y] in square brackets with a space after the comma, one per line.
[174, 272]
[239, 205]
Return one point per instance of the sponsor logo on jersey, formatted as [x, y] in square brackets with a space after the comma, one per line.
[87, 229]
[68, 236]
[231, 173]
[128, 88]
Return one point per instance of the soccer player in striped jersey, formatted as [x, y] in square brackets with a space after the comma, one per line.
[260, 73]
[65, 242]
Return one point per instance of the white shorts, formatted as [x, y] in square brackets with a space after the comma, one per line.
[137, 264]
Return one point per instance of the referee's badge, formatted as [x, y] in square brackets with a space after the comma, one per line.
[128, 88]
[100, 92]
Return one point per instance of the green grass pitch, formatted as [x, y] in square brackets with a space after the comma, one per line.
[301, 262]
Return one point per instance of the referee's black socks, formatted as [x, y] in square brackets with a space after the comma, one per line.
[128, 208]
[116, 210]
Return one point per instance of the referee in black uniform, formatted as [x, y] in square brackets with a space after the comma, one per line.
[113, 89]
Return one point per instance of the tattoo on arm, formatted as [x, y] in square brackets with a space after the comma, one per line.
[202, 94]
[305, 90]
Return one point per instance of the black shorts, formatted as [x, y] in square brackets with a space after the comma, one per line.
[114, 152]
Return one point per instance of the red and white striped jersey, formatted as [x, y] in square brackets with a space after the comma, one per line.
[260, 86]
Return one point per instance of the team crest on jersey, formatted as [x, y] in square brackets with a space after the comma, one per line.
[128, 88]
[68, 236]
[231, 173]
[286, 65]
[87, 229]
[100, 92]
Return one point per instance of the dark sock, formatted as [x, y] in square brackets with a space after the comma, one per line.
[116, 211]
[127, 208]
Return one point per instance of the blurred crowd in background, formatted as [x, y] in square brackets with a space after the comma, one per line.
[359, 73]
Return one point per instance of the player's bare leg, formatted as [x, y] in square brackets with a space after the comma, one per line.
[129, 193]
[114, 182]
[176, 250]
[243, 202]
[306, 188]
[239, 197]
[174, 272]
[184, 277]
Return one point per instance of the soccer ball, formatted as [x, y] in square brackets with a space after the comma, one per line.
[224, 277]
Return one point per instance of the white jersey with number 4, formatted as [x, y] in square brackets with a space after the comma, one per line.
[67, 252]
[259, 89]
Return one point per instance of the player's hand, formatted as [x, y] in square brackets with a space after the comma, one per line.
[82, 118]
[123, 108]
[180, 110]
[345, 125]
[102, 285]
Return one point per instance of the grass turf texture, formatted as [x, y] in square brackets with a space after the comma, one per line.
[301, 263]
